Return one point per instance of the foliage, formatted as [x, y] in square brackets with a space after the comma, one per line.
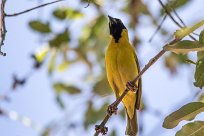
[192, 129]
[187, 112]
[85, 45]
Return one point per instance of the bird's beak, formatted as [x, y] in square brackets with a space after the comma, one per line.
[112, 20]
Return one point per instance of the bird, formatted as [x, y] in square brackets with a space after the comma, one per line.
[122, 66]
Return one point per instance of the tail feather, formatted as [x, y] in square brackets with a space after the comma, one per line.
[132, 126]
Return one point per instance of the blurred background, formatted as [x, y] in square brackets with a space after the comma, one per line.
[53, 80]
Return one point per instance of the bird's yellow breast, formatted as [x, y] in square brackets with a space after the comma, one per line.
[121, 67]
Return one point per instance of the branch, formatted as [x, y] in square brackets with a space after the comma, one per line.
[101, 128]
[28, 10]
[87, 4]
[2, 27]
[172, 18]
[158, 28]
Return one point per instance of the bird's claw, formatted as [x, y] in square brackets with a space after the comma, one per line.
[102, 129]
[112, 109]
[131, 86]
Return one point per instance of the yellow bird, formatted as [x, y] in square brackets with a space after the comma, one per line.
[122, 66]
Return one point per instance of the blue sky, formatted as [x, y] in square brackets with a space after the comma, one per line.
[36, 99]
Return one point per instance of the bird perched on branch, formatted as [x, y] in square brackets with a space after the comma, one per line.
[122, 66]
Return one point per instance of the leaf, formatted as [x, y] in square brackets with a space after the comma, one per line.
[192, 129]
[187, 112]
[60, 39]
[67, 13]
[62, 87]
[199, 74]
[123, 113]
[46, 132]
[180, 34]
[60, 102]
[200, 55]
[113, 133]
[41, 54]
[63, 66]
[174, 4]
[172, 61]
[102, 87]
[51, 65]
[185, 46]
[201, 98]
[201, 37]
[92, 115]
[40, 27]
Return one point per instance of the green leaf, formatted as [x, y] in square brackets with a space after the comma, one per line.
[123, 113]
[199, 74]
[92, 115]
[187, 112]
[102, 87]
[63, 66]
[201, 98]
[180, 34]
[46, 132]
[172, 61]
[185, 46]
[174, 4]
[192, 129]
[67, 13]
[201, 37]
[60, 102]
[113, 133]
[60, 39]
[200, 55]
[40, 27]
[51, 65]
[62, 87]
[41, 54]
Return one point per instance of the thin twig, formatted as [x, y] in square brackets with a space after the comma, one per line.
[172, 18]
[158, 28]
[177, 15]
[28, 10]
[87, 4]
[2, 27]
[101, 127]
[174, 11]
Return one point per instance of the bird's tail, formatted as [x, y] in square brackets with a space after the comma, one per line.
[132, 126]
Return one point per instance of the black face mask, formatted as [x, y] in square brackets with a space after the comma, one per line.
[116, 26]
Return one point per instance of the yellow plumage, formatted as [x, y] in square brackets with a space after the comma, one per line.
[122, 66]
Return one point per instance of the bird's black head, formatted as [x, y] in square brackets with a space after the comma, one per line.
[116, 26]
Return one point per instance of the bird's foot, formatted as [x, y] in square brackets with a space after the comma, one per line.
[112, 109]
[131, 86]
[102, 129]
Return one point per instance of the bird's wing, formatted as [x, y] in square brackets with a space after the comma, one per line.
[139, 91]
